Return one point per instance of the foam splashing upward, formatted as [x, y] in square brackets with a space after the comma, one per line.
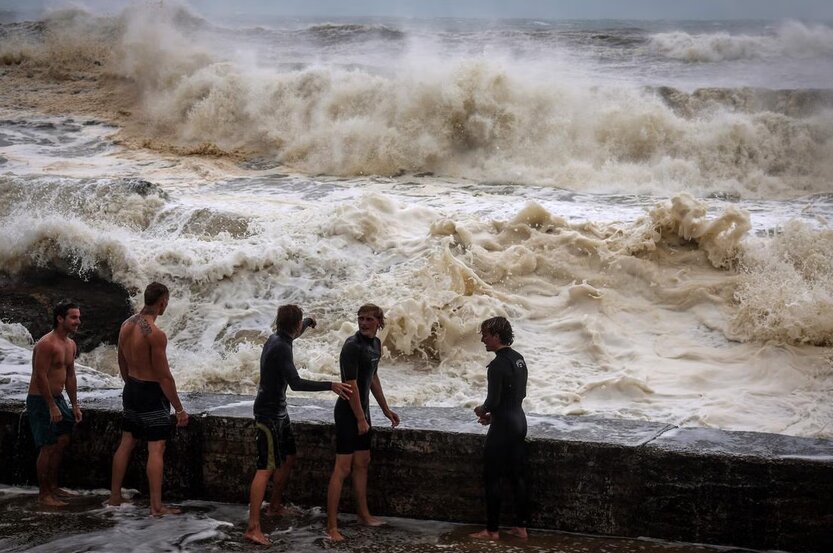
[658, 256]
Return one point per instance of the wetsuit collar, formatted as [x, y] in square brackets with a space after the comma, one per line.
[284, 336]
[364, 338]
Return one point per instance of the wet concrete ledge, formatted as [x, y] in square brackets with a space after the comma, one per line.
[596, 476]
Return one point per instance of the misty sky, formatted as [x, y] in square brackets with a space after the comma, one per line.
[809, 10]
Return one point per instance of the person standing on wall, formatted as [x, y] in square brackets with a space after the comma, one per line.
[50, 418]
[275, 440]
[505, 451]
[359, 362]
[149, 392]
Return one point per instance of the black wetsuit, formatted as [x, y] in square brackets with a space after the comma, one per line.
[505, 451]
[277, 370]
[359, 361]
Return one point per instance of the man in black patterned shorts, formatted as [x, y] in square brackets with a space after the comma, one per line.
[149, 392]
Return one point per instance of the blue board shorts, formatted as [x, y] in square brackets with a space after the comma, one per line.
[44, 431]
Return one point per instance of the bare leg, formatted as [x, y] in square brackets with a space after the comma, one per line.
[155, 471]
[43, 466]
[341, 470]
[279, 481]
[120, 461]
[518, 532]
[361, 463]
[256, 494]
[485, 535]
[55, 465]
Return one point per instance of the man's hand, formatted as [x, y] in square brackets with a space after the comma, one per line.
[308, 322]
[76, 410]
[485, 420]
[364, 427]
[55, 414]
[393, 417]
[342, 390]
[181, 418]
[479, 411]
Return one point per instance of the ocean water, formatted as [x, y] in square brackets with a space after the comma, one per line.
[649, 203]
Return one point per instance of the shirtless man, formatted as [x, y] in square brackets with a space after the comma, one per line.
[149, 392]
[359, 361]
[51, 420]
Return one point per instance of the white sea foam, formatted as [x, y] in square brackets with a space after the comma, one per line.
[790, 39]
[656, 273]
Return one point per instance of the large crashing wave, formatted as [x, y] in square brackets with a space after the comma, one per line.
[792, 39]
[475, 118]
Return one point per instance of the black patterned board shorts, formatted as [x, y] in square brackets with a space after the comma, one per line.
[147, 412]
[275, 441]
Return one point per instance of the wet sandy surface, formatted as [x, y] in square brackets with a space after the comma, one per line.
[85, 525]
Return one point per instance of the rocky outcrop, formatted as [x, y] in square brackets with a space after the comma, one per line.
[28, 299]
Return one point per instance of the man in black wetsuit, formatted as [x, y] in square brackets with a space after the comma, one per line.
[505, 451]
[275, 442]
[359, 361]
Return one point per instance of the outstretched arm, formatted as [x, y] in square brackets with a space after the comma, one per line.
[379, 394]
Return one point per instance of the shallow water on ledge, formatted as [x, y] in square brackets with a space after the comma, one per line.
[208, 526]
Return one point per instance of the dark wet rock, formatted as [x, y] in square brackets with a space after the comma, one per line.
[144, 188]
[28, 299]
[587, 475]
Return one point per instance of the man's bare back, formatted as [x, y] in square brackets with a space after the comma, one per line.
[139, 343]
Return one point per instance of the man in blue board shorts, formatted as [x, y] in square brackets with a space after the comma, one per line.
[50, 418]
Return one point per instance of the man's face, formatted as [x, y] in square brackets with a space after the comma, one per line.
[71, 322]
[491, 341]
[368, 324]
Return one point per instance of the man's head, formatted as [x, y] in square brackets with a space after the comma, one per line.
[66, 315]
[496, 333]
[157, 295]
[371, 319]
[289, 319]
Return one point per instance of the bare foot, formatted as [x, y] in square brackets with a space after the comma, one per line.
[51, 501]
[116, 501]
[280, 510]
[334, 535]
[64, 493]
[372, 521]
[485, 535]
[165, 510]
[256, 535]
[518, 532]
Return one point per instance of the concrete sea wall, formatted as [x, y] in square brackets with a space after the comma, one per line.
[609, 477]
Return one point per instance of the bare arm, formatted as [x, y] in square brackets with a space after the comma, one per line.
[123, 369]
[41, 361]
[159, 361]
[72, 385]
[376, 390]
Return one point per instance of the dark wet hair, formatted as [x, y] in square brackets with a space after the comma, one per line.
[501, 327]
[61, 309]
[374, 310]
[155, 292]
[288, 318]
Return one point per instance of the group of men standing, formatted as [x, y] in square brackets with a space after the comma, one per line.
[150, 392]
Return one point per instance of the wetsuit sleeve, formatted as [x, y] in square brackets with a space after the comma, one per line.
[290, 374]
[349, 361]
[493, 395]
